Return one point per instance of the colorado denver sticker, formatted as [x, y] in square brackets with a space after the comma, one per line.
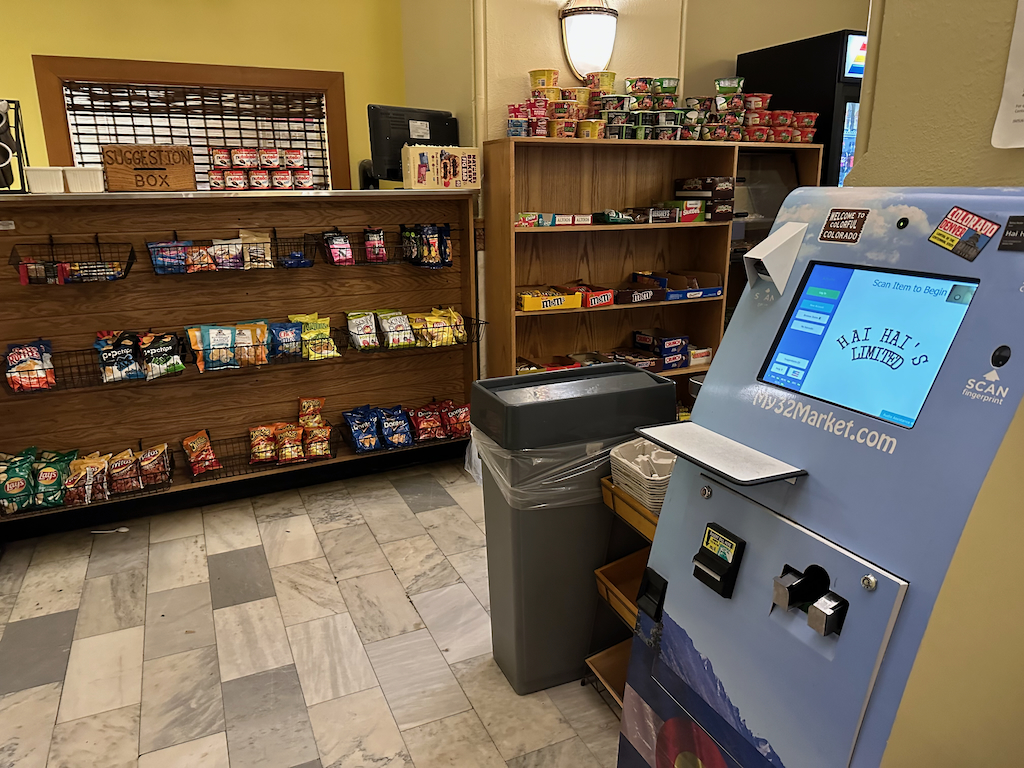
[964, 233]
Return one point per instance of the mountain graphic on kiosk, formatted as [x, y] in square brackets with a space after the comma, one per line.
[696, 671]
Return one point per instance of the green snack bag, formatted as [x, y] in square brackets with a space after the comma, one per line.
[50, 475]
[17, 491]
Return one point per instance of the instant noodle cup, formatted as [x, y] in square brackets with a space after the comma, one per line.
[639, 84]
[550, 93]
[782, 117]
[563, 110]
[590, 129]
[616, 116]
[714, 132]
[804, 119]
[543, 78]
[729, 102]
[665, 101]
[733, 117]
[699, 102]
[576, 94]
[756, 100]
[729, 84]
[782, 134]
[757, 133]
[668, 117]
[617, 101]
[561, 129]
[642, 101]
[692, 116]
[517, 126]
[689, 132]
[666, 84]
[734, 133]
[757, 117]
[643, 132]
[644, 118]
[807, 135]
[665, 133]
[603, 81]
[538, 126]
[619, 131]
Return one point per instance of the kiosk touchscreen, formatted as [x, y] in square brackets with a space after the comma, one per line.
[832, 575]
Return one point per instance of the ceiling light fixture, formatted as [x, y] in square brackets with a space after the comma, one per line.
[588, 34]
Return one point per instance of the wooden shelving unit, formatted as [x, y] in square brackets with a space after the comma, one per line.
[576, 176]
[113, 417]
[629, 510]
[611, 666]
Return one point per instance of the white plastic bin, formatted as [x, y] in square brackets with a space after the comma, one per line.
[83, 180]
[45, 181]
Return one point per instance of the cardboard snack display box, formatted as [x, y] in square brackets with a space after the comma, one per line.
[440, 167]
[637, 293]
[593, 296]
[528, 299]
[637, 357]
[660, 341]
[692, 285]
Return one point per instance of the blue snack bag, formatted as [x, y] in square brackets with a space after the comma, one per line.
[395, 426]
[363, 422]
[285, 339]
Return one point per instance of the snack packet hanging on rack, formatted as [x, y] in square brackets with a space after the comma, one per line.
[396, 329]
[289, 444]
[317, 441]
[262, 446]
[169, 256]
[394, 426]
[124, 474]
[428, 423]
[199, 450]
[198, 259]
[30, 366]
[251, 344]
[456, 419]
[51, 472]
[311, 411]
[362, 331]
[363, 424]
[120, 356]
[155, 466]
[17, 486]
[339, 249]
[376, 249]
[219, 346]
[161, 354]
[228, 253]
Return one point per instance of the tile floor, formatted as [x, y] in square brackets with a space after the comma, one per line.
[340, 626]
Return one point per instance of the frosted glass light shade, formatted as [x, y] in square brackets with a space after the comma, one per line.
[588, 35]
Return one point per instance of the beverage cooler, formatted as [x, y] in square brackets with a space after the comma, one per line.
[820, 74]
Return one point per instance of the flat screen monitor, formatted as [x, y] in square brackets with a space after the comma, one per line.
[856, 57]
[391, 128]
[868, 340]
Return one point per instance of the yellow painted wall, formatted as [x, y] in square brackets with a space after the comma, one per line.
[717, 32]
[521, 35]
[931, 92]
[361, 38]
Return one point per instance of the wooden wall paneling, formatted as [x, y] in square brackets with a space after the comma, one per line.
[226, 402]
[499, 260]
[52, 71]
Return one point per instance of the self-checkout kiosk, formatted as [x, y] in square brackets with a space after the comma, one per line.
[837, 572]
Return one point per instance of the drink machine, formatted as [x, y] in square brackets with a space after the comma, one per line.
[832, 582]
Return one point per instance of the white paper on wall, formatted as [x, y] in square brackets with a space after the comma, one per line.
[1008, 131]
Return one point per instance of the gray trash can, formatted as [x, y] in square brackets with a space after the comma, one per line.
[544, 441]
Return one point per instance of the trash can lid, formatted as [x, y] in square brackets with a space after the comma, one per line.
[567, 390]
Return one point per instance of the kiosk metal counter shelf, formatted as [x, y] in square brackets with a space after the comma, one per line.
[841, 539]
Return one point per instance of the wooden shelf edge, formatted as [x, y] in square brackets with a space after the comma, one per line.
[622, 227]
[687, 371]
[528, 140]
[628, 509]
[618, 580]
[614, 307]
[611, 667]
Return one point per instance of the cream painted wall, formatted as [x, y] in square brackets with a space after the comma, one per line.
[714, 38]
[937, 72]
[520, 35]
[352, 36]
[437, 48]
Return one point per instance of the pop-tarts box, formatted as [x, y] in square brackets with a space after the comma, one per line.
[692, 285]
[660, 342]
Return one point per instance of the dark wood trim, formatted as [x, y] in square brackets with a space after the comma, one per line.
[51, 71]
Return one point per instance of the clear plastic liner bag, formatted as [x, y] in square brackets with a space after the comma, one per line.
[545, 478]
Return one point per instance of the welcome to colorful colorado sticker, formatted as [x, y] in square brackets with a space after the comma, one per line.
[964, 233]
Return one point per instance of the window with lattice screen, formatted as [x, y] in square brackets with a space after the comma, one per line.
[199, 116]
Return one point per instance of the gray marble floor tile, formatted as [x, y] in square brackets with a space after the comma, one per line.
[459, 741]
[107, 740]
[181, 699]
[34, 652]
[416, 469]
[370, 486]
[483, 528]
[177, 563]
[591, 718]
[274, 506]
[50, 587]
[116, 552]
[458, 623]
[6, 606]
[472, 567]
[572, 753]
[379, 606]
[307, 591]
[290, 540]
[250, 638]
[104, 673]
[470, 497]
[229, 526]
[517, 724]
[239, 576]
[416, 681]
[13, 564]
[113, 602]
[330, 658]
[179, 620]
[449, 473]
[207, 752]
[329, 487]
[26, 725]
[61, 546]
[419, 564]
[330, 509]
[353, 551]
[452, 530]
[358, 731]
[422, 492]
[268, 725]
[310, 764]
[389, 517]
[175, 525]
